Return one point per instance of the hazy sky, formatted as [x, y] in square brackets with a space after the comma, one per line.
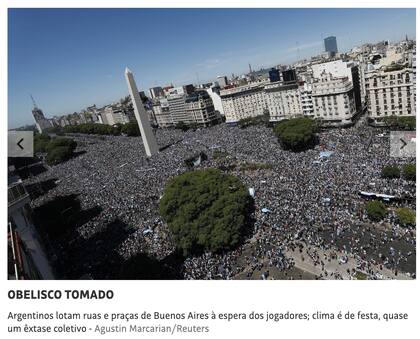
[73, 58]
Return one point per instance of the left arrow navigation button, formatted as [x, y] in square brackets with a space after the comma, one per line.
[19, 143]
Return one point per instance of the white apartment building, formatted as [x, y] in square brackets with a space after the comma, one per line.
[243, 102]
[337, 68]
[350, 69]
[390, 92]
[305, 92]
[156, 92]
[414, 67]
[115, 116]
[283, 100]
[333, 99]
[177, 109]
[214, 92]
[194, 108]
[222, 81]
[174, 91]
[200, 107]
[161, 110]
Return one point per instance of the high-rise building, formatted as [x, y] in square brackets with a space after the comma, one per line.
[305, 91]
[289, 75]
[118, 115]
[414, 68]
[200, 107]
[390, 91]
[156, 92]
[194, 108]
[176, 103]
[162, 114]
[222, 81]
[274, 75]
[214, 92]
[283, 100]
[330, 44]
[243, 102]
[333, 100]
[175, 91]
[188, 89]
[40, 121]
[340, 68]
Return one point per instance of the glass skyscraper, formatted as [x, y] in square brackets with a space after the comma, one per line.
[331, 44]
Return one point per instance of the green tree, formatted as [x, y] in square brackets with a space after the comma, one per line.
[375, 210]
[41, 141]
[205, 210]
[194, 126]
[400, 123]
[131, 129]
[390, 172]
[58, 154]
[391, 121]
[59, 150]
[182, 126]
[296, 134]
[409, 172]
[406, 123]
[99, 129]
[259, 120]
[62, 142]
[406, 216]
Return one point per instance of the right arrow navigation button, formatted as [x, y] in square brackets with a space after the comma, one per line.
[403, 144]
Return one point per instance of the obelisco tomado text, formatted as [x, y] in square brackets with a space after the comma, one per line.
[149, 140]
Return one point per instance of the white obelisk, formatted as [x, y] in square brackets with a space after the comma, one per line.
[149, 140]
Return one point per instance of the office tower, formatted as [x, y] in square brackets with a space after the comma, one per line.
[40, 121]
[222, 81]
[289, 75]
[156, 92]
[331, 44]
[188, 89]
[274, 75]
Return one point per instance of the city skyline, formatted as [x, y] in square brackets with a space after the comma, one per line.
[66, 75]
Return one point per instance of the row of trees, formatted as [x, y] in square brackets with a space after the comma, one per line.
[130, 129]
[299, 133]
[41, 140]
[57, 149]
[400, 123]
[392, 172]
[377, 211]
[263, 119]
[185, 127]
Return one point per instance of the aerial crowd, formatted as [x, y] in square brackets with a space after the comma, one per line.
[302, 200]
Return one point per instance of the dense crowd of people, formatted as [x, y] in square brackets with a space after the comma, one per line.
[308, 198]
